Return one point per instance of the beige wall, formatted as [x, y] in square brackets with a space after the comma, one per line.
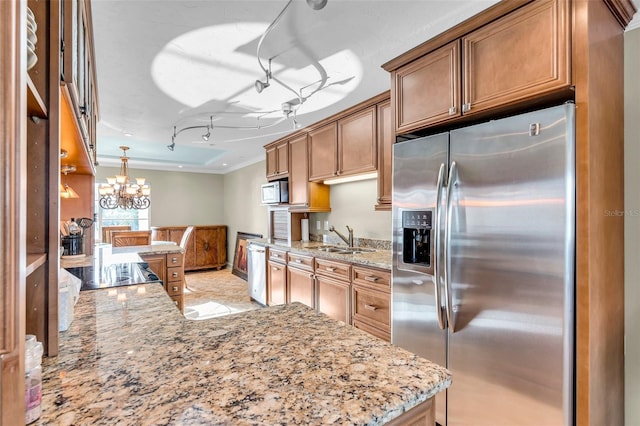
[353, 204]
[242, 208]
[632, 226]
[179, 198]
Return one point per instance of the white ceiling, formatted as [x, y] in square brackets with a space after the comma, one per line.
[166, 63]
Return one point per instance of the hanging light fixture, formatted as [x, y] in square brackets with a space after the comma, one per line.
[119, 192]
[65, 190]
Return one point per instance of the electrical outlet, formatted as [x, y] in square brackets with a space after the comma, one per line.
[318, 225]
[326, 225]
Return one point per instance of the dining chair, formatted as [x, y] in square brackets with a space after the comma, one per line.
[183, 246]
[130, 238]
[106, 231]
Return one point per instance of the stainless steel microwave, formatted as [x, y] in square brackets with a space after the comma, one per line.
[275, 192]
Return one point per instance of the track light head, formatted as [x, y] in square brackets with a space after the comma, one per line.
[206, 136]
[317, 4]
[261, 85]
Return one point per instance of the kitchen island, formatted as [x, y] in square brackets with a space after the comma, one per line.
[130, 358]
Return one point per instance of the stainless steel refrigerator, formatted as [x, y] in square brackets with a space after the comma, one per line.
[483, 266]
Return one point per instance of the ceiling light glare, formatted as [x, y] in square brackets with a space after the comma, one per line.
[317, 4]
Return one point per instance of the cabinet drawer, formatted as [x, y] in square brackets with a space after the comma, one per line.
[384, 335]
[333, 269]
[174, 259]
[277, 255]
[174, 274]
[300, 261]
[173, 288]
[179, 302]
[372, 306]
[374, 278]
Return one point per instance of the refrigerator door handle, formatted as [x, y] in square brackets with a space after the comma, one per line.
[436, 261]
[453, 175]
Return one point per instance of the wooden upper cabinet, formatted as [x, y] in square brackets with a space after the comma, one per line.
[303, 194]
[278, 160]
[428, 89]
[386, 139]
[524, 54]
[77, 69]
[299, 173]
[323, 152]
[357, 147]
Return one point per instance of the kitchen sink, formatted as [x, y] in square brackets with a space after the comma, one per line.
[343, 250]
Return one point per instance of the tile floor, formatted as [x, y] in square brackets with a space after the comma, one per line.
[212, 293]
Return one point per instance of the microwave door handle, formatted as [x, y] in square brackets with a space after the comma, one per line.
[453, 175]
[436, 262]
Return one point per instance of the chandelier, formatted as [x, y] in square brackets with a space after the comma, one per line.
[118, 192]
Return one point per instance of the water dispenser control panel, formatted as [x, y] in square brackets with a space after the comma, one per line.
[416, 230]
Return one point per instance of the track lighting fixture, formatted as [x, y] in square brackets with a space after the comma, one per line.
[261, 85]
[206, 136]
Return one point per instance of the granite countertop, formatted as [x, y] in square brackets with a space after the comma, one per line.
[120, 364]
[107, 254]
[380, 258]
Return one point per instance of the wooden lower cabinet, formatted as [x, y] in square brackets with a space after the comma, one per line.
[300, 286]
[333, 289]
[333, 298]
[170, 269]
[276, 283]
[371, 301]
[205, 249]
[423, 414]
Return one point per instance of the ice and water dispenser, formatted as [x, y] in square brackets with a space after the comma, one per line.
[417, 236]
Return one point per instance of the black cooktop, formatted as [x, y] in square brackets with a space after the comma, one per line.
[115, 275]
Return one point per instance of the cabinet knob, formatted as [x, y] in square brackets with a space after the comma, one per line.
[452, 110]
[466, 107]
[276, 268]
[299, 261]
[174, 274]
[370, 307]
[330, 268]
[206, 245]
[174, 260]
[275, 255]
[371, 278]
[175, 288]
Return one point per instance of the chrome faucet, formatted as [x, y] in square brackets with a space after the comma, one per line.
[349, 240]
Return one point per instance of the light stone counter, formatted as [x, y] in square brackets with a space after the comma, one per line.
[380, 258]
[109, 255]
[130, 358]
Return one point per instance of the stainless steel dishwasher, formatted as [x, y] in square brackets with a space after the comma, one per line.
[256, 274]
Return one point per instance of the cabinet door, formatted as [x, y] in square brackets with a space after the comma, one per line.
[299, 171]
[276, 283]
[301, 287]
[323, 152]
[386, 138]
[282, 153]
[517, 57]
[357, 148]
[428, 89]
[206, 246]
[272, 162]
[334, 298]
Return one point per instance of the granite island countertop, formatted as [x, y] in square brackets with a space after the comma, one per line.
[131, 358]
[107, 254]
